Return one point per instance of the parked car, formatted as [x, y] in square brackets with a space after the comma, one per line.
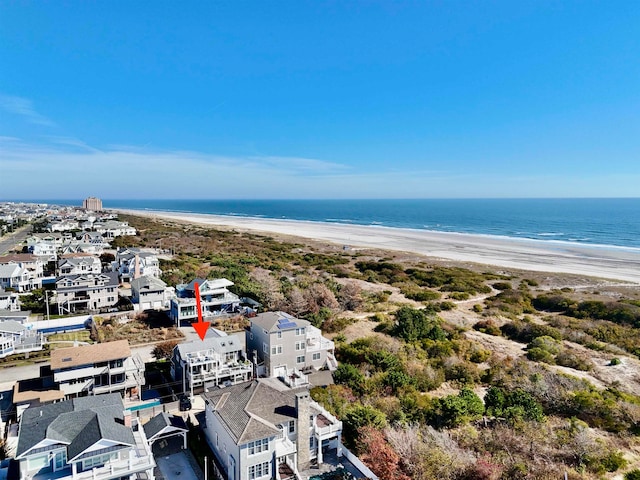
[185, 403]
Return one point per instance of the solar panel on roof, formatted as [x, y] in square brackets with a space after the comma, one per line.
[286, 323]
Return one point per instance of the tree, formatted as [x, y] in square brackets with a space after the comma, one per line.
[296, 303]
[269, 288]
[455, 410]
[361, 416]
[347, 374]
[376, 452]
[317, 295]
[163, 350]
[350, 296]
[412, 325]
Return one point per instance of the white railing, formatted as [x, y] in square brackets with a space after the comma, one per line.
[284, 446]
[319, 344]
[118, 469]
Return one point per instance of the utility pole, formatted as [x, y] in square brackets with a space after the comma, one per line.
[46, 301]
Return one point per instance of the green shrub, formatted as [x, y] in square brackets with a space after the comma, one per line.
[568, 359]
[489, 327]
[540, 355]
[502, 286]
[632, 474]
[615, 361]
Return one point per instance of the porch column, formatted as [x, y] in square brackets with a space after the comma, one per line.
[184, 440]
[339, 444]
[319, 448]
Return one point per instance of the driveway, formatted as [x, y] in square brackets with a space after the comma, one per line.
[176, 467]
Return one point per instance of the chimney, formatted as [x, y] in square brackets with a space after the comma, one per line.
[303, 411]
[127, 418]
[136, 268]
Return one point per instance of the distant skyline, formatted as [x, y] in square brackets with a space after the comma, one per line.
[309, 99]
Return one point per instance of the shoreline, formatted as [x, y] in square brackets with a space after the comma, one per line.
[601, 261]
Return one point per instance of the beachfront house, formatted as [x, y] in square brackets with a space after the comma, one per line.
[257, 430]
[91, 438]
[216, 360]
[98, 368]
[215, 300]
[288, 347]
[149, 292]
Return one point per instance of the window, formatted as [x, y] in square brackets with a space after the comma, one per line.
[38, 463]
[250, 335]
[258, 446]
[300, 359]
[300, 331]
[316, 356]
[276, 350]
[292, 426]
[265, 348]
[259, 470]
[279, 334]
[299, 345]
[98, 461]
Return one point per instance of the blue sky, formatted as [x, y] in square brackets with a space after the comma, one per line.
[297, 99]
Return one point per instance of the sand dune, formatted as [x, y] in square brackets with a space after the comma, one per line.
[615, 263]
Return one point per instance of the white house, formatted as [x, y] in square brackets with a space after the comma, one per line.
[131, 263]
[214, 361]
[79, 264]
[258, 431]
[215, 299]
[98, 368]
[90, 438]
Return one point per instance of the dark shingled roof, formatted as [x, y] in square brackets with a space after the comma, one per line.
[79, 423]
[251, 410]
[162, 421]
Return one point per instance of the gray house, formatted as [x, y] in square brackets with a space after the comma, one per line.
[90, 438]
[85, 292]
[210, 362]
[149, 292]
[259, 431]
[286, 347]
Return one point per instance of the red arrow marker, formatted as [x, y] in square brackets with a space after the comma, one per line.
[200, 326]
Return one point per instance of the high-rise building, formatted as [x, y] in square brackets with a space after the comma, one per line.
[92, 203]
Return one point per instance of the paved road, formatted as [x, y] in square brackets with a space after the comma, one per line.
[10, 241]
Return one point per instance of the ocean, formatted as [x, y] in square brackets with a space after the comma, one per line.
[607, 222]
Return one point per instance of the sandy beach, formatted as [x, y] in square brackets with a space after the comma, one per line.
[618, 264]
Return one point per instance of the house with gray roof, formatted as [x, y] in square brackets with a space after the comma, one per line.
[257, 430]
[22, 272]
[149, 292]
[79, 265]
[132, 263]
[288, 347]
[86, 292]
[216, 360]
[17, 338]
[164, 426]
[92, 438]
